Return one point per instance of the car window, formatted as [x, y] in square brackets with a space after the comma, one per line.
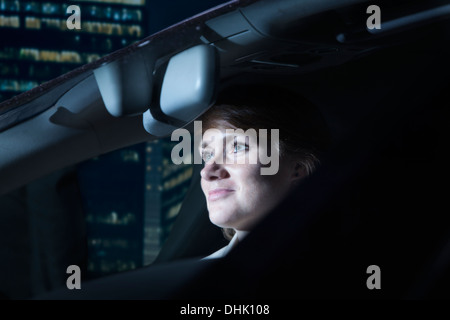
[28, 58]
[109, 214]
[131, 198]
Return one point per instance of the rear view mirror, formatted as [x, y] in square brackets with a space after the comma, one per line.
[126, 84]
[188, 89]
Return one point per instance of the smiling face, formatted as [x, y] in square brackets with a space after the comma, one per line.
[237, 195]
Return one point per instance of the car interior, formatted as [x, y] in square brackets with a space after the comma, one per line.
[378, 198]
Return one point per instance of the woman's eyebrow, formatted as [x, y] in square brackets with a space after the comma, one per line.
[224, 138]
[204, 145]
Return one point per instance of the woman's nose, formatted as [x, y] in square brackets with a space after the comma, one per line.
[214, 171]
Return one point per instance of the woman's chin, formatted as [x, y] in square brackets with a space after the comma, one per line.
[222, 219]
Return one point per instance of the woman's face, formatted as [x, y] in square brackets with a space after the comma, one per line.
[237, 194]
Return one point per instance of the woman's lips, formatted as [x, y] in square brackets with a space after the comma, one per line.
[219, 193]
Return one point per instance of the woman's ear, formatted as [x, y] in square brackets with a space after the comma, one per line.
[298, 172]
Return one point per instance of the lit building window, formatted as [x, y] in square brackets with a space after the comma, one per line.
[50, 23]
[116, 15]
[29, 54]
[114, 217]
[50, 8]
[9, 85]
[130, 156]
[9, 21]
[92, 57]
[94, 12]
[32, 23]
[50, 55]
[10, 5]
[17, 86]
[130, 2]
[27, 85]
[70, 56]
[32, 6]
[47, 55]
[107, 12]
[135, 31]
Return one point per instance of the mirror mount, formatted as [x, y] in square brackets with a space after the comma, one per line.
[188, 89]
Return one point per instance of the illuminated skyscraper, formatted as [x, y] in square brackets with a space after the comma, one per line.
[112, 188]
[131, 199]
[36, 45]
[166, 186]
[132, 196]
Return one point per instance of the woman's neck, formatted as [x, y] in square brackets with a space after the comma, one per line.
[241, 234]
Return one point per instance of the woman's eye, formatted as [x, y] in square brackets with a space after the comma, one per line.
[207, 155]
[239, 147]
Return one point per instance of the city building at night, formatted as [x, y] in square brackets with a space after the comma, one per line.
[131, 199]
[37, 45]
[131, 196]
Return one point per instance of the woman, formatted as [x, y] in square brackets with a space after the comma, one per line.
[238, 196]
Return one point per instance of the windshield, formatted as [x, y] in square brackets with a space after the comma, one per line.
[108, 214]
[49, 44]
